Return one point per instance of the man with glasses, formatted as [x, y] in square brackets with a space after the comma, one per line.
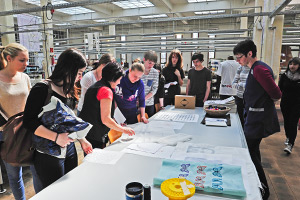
[227, 71]
[260, 114]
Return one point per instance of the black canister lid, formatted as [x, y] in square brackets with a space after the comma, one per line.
[134, 188]
[147, 192]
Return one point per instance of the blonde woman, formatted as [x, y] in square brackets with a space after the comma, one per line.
[14, 89]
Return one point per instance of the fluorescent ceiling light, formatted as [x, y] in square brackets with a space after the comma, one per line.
[133, 4]
[153, 16]
[159, 35]
[63, 24]
[209, 12]
[100, 20]
[226, 33]
[196, 1]
[75, 10]
[293, 31]
[70, 11]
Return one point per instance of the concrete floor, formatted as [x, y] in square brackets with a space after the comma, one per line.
[282, 170]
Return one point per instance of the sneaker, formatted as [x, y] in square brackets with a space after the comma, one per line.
[286, 141]
[288, 148]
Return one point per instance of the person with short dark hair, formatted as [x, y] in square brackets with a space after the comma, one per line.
[150, 80]
[129, 92]
[227, 71]
[174, 76]
[289, 84]
[260, 113]
[199, 80]
[98, 107]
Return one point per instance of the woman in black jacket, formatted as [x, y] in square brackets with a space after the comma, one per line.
[289, 85]
[174, 76]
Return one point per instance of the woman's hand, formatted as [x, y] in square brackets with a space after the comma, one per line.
[145, 120]
[86, 146]
[128, 131]
[177, 73]
[63, 140]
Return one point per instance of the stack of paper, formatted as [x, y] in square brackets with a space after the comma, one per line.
[215, 122]
[228, 101]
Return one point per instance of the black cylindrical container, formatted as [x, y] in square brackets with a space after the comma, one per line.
[147, 192]
[134, 191]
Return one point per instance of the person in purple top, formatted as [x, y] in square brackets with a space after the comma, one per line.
[260, 114]
[129, 92]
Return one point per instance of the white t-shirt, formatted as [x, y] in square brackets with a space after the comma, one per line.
[227, 71]
[87, 81]
[13, 96]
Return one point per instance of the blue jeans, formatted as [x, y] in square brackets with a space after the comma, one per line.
[16, 183]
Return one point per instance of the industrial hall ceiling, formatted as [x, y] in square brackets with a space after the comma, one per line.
[160, 25]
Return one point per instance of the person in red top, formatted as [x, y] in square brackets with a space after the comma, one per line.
[98, 107]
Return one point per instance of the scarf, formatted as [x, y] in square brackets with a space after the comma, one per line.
[293, 76]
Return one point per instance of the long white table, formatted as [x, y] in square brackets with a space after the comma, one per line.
[100, 181]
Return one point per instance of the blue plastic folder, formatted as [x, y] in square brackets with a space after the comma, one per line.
[208, 177]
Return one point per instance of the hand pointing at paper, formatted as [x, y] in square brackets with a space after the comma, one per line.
[128, 131]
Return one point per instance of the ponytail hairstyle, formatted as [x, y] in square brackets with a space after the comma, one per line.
[11, 50]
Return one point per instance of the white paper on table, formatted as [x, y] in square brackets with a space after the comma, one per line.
[164, 152]
[215, 122]
[178, 117]
[146, 147]
[177, 125]
[174, 139]
[103, 156]
[119, 117]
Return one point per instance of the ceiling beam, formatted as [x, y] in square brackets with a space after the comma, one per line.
[278, 8]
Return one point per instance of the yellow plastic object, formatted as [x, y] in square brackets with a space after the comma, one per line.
[173, 190]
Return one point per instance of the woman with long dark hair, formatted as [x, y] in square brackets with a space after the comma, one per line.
[49, 166]
[174, 76]
[289, 85]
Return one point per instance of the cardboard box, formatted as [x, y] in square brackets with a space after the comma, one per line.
[184, 101]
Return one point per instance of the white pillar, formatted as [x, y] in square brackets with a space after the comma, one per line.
[47, 40]
[269, 44]
[112, 31]
[7, 22]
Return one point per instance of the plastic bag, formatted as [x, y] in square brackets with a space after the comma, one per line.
[59, 118]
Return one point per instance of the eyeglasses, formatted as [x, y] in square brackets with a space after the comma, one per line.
[239, 57]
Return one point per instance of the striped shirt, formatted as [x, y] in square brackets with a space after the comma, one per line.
[150, 85]
[239, 81]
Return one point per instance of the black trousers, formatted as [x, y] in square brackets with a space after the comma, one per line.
[150, 110]
[169, 101]
[291, 115]
[253, 146]
[240, 109]
[50, 168]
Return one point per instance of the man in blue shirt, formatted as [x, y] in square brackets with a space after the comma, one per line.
[129, 92]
